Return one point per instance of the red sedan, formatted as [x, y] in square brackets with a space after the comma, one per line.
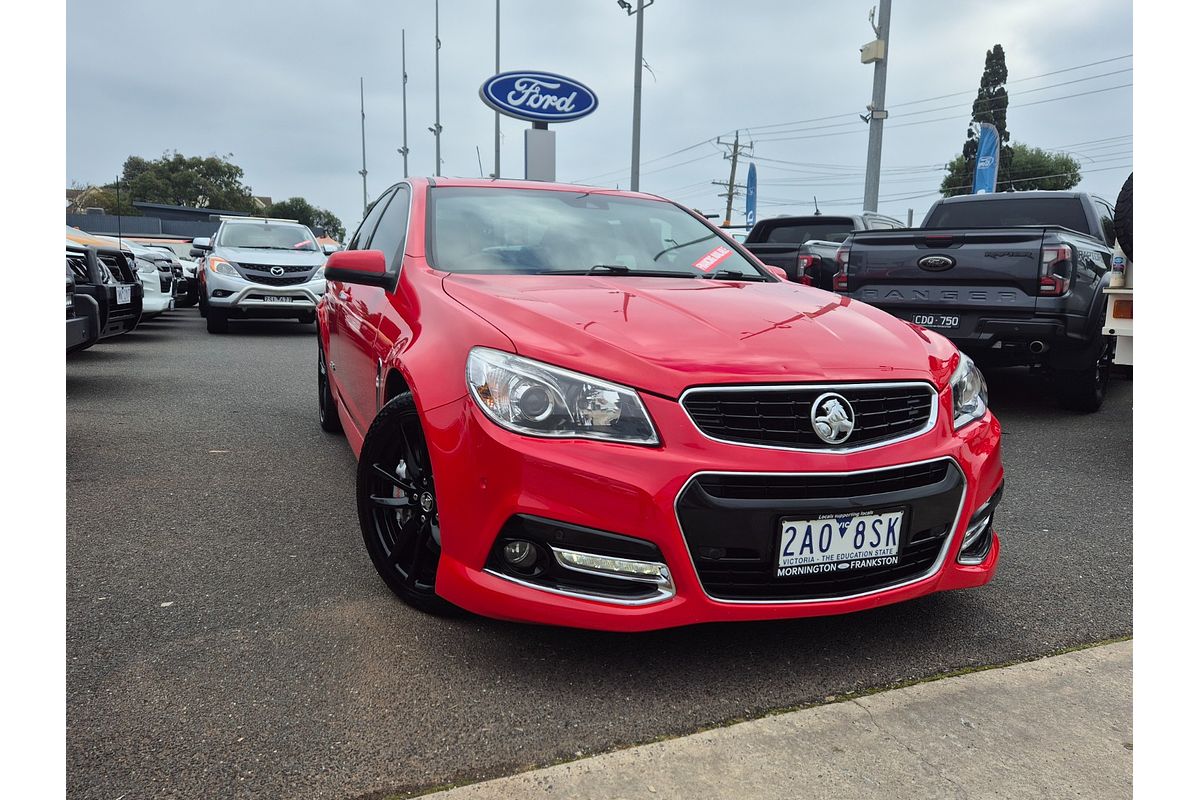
[587, 407]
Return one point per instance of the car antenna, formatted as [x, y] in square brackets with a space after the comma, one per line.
[816, 210]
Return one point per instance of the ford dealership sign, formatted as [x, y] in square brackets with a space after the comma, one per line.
[538, 96]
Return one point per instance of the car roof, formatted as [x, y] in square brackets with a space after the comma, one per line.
[976, 198]
[511, 183]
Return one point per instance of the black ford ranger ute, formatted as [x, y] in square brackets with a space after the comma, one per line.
[1012, 279]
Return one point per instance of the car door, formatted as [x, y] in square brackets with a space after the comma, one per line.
[387, 315]
[351, 336]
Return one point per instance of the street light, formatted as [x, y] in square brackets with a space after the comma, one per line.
[635, 157]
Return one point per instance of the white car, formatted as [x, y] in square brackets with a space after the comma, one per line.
[156, 272]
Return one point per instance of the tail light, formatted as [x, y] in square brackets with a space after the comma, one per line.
[841, 280]
[803, 264]
[1055, 273]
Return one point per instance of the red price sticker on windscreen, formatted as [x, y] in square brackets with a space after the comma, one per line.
[712, 258]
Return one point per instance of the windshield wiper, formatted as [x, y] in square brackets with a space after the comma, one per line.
[618, 269]
[734, 275]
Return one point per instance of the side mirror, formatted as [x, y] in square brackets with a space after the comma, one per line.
[202, 243]
[778, 272]
[365, 267]
[330, 249]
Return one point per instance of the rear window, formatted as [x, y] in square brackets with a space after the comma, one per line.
[1009, 212]
[827, 230]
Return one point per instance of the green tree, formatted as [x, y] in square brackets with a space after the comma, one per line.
[991, 106]
[1029, 168]
[301, 210]
[197, 181]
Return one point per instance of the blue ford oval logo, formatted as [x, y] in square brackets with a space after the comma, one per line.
[538, 96]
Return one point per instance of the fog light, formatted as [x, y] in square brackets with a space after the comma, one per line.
[520, 554]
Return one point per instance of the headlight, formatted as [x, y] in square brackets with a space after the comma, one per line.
[146, 267]
[970, 392]
[222, 267]
[540, 400]
[319, 275]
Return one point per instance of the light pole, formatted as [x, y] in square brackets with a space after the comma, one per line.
[437, 94]
[635, 156]
[496, 172]
[876, 52]
[362, 112]
[404, 102]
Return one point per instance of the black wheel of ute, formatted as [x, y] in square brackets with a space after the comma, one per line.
[326, 406]
[397, 506]
[1123, 217]
[217, 320]
[1084, 389]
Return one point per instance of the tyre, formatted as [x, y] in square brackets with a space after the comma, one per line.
[203, 303]
[326, 405]
[397, 506]
[309, 318]
[218, 320]
[1084, 389]
[1123, 217]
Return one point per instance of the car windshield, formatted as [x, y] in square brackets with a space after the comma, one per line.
[1009, 212]
[505, 230]
[267, 236]
[824, 229]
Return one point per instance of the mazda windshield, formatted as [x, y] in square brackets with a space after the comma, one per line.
[535, 231]
[267, 236]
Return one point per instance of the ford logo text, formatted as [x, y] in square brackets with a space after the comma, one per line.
[538, 96]
[936, 263]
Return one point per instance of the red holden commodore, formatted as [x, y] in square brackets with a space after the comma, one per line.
[587, 407]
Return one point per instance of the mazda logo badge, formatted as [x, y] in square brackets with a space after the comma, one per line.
[832, 418]
[277, 271]
[936, 263]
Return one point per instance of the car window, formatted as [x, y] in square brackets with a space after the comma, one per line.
[390, 233]
[1009, 212]
[1106, 221]
[505, 230]
[363, 234]
[829, 229]
[267, 236]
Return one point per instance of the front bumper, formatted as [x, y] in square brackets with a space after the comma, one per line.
[154, 299]
[487, 476]
[242, 298]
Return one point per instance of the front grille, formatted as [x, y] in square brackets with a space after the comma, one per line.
[119, 267]
[261, 273]
[164, 283]
[732, 526]
[781, 416]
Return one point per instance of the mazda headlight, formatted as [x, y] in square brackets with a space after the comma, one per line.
[540, 400]
[319, 275]
[970, 392]
[222, 267]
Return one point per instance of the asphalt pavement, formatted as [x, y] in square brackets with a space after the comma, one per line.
[228, 637]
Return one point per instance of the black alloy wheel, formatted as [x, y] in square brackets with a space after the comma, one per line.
[397, 506]
[326, 406]
[1084, 389]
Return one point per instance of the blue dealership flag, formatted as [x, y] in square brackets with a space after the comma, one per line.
[987, 159]
[751, 196]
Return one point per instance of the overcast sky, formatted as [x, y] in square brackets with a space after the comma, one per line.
[276, 85]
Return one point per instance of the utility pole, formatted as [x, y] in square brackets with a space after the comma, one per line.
[736, 149]
[496, 172]
[404, 102]
[362, 111]
[876, 52]
[437, 93]
[636, 154]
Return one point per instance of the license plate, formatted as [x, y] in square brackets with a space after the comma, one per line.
[124, 295]
[935, 320]
[834, 542]
[277, 298]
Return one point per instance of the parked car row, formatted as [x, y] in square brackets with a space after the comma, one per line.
[104, 293]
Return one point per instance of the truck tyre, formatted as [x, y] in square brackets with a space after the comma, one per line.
[1123, 217]
[1084, 389]
[218, 320]
[203, 305]
[309, 318]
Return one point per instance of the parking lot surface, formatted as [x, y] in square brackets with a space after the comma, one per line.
[228, 637]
